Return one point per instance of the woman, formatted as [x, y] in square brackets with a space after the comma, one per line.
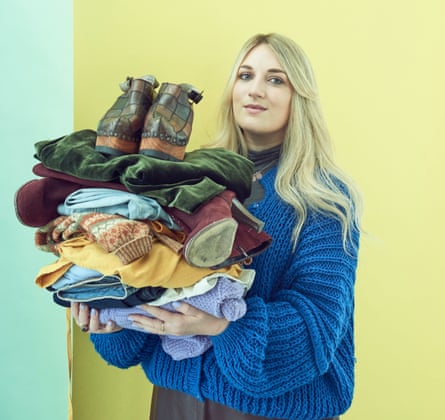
[292, 355]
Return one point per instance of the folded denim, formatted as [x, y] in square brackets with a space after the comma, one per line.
[141, 296]
[79, 284]
[154, 295]
[106, 200]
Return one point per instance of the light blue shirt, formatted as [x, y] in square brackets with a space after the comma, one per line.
[110, 201]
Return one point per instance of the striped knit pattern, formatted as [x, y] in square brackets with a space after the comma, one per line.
[292, 355]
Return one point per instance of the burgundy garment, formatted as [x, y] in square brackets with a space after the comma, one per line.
[175, 405]
[36, 201]
[248, 243]
[41, 170]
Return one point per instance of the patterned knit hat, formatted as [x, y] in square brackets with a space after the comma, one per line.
[127, 239]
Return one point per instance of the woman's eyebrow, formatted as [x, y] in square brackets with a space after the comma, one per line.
[246, 66]
[276, 71]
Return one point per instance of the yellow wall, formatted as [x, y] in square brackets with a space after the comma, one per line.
[380, 67]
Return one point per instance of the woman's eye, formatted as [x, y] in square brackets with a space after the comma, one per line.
[244, 76]
[276, 80]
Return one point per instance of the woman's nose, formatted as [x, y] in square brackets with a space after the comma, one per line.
[256, 89]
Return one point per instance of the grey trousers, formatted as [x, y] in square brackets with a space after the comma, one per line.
[174, 405]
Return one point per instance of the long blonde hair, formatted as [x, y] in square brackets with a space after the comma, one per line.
[307, 176]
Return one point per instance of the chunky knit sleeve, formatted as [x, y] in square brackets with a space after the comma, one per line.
[292, 339]
[124, 348]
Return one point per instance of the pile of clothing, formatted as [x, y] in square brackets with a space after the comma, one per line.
[133, 218]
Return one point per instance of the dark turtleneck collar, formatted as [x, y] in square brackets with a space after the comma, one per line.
[264, 158]
[263, 161]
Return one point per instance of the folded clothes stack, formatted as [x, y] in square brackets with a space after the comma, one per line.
[133, 218]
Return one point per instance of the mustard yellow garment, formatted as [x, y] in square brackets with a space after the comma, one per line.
[161, 267]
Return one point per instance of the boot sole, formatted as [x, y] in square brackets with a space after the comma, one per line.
[115, 146]
[212, 245]
[155, 147]
[242, 215]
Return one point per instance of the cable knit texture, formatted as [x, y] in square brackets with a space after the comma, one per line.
[292, 354]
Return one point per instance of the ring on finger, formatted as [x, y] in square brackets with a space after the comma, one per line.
[84, 328]
[162, 327]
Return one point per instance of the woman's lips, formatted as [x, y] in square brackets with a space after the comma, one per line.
[254, 109]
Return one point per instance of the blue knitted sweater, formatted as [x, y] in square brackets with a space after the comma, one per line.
[292, 355]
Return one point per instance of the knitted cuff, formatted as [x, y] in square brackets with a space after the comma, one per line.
[134, 249]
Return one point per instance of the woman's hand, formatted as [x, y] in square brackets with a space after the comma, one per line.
[88, 320]
[186, 321]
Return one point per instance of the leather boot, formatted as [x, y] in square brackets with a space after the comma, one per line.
[210, 230]
[248, 242]
[168, 124]
[119, 130]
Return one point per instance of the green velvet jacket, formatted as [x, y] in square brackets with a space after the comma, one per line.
[202, 174]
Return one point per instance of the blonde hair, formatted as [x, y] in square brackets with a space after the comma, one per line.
[307, 176]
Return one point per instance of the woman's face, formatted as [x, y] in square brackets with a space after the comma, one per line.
[261, 99]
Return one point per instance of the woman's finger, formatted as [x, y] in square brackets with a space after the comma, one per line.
[75, 310]
[186, 309]
[94, 320]
[84, 317]
[111, 327]
[156, 311]
[145, 322]
[89, 320]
